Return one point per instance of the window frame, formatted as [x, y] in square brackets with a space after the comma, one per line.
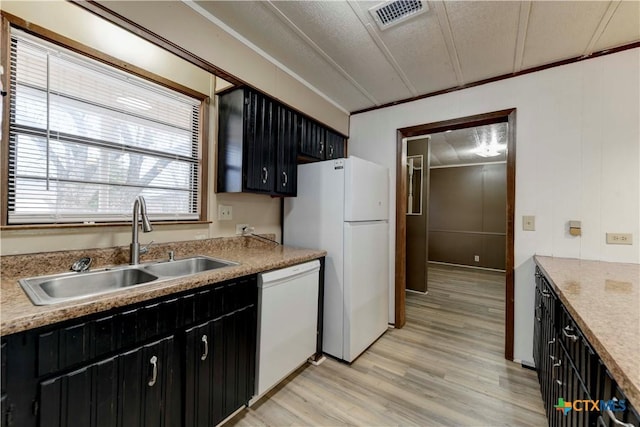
[9, 21]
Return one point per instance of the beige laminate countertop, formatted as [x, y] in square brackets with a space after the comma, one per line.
[604, 300]
[18, 313]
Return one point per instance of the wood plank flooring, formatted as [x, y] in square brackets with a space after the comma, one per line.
[445, 367]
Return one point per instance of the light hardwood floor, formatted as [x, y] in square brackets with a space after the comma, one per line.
[445, 367]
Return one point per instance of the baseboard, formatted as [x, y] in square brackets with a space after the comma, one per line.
[467, 266]
[527, 365]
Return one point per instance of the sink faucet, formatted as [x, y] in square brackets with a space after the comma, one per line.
[135, 250]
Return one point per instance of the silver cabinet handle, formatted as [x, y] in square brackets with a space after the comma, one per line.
[265, 175]
[286, 179]
[616, 421]
[545, 293]
[154, 375]
[553, 341]
[206, 348]
[566, 333]
[558, 364]
[560, 384]
[538, 318]
[321, 147]
[331, 150]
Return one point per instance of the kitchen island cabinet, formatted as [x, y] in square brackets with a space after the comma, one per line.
[576, 344]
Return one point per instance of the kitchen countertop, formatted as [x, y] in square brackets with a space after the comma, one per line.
[604, 300]
[18, 313]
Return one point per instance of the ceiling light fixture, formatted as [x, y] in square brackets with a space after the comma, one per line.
[491, 149]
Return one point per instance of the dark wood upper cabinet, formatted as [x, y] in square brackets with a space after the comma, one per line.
[288, 134]
[320, 143]
[260, 141]
[335, 145]
[256, 153]
[312, 142]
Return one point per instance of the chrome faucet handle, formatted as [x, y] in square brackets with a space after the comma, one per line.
[172, 256]
[81, 265]
[145, 249]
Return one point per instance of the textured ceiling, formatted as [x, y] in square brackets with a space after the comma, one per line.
[336, 47]
[460, 147]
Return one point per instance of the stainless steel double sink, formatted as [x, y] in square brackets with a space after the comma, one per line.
[57, 288]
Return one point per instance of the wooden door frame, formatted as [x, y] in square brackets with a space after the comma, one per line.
[503, 116]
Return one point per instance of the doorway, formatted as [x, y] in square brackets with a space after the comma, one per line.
[402, 183]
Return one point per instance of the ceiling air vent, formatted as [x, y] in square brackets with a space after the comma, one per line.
[391, 13]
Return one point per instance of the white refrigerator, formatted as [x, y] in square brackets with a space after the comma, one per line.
[343, 207]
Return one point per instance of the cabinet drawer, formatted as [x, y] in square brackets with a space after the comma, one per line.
[571, 389]
[613, 402]
[76, 343]
[580, 352]
[547, 297]
[3, 369]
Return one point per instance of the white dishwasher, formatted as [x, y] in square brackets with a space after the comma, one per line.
[287, 322]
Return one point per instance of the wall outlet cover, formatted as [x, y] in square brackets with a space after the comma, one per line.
[225, 213]
[619, 239]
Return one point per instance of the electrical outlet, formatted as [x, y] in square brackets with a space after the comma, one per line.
[225, 213]
[240, 227]
[476, 258]
[529, 223]
[619, 239]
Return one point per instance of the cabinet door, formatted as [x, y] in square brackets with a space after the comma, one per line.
[220, 367]
[313, 140]
[136, 388]
[259, 143]
[537, 330]
[335, 145]
[199, 384]
[287, 154]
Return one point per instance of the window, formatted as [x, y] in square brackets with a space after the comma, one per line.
[85, 139]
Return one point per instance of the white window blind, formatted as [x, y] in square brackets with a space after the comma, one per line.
[85, 139]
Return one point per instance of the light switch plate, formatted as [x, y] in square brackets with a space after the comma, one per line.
[619, 239]
[529, 223]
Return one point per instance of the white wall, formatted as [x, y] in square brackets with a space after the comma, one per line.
[64, 18]
[577, 158]
[178, 22]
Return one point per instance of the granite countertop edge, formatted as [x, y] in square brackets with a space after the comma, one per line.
[629, 385]
[18, 313]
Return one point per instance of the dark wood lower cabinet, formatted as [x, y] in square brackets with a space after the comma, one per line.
[136, 388]
[185, 360]
[570, 371]
[220, 363]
